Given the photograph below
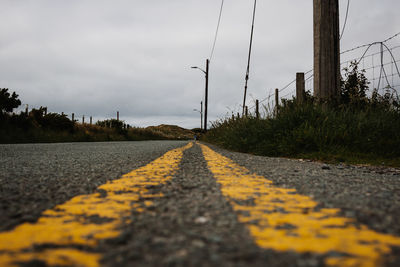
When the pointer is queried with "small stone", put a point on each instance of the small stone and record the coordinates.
(326, 167)
(198, 243)
(201, 220)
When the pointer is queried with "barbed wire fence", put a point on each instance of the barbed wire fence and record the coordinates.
(378, 60)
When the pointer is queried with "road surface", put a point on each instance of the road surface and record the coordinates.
(171, 203)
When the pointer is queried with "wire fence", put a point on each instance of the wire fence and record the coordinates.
(379, 62)
(25, 108)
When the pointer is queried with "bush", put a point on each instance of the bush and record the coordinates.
(355, 125)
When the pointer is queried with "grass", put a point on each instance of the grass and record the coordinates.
(354, 134)
(79, 133)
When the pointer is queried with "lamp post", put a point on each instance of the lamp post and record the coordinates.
(206, 100)
(201, 115)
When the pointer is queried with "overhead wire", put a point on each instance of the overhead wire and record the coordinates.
(217, 30)
(345, 21)
(249, 56)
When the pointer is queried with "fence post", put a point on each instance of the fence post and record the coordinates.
(257, 109)
(300, 87)
(326, 50)
(276, 100)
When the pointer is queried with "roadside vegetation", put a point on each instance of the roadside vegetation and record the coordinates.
(358, 128)
(38, 126)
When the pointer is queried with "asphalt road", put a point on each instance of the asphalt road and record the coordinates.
(191, 205)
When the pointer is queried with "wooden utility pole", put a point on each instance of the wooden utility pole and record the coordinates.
(201, 115)
(117, 115)
(206, 100)
(300, 87)
(276, 100)
(326, 50)
(90, 120)
(257, 110)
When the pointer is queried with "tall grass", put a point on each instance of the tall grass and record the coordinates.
(308, 130)
(22, 129)
(355, 127)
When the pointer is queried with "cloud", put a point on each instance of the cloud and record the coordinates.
(97, 57)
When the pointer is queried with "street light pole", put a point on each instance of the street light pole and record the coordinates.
(201, 115)
(206, 93)
(206, 100)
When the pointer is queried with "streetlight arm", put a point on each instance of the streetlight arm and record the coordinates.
(200, 69)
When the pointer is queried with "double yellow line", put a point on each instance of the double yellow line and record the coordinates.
(283, 220)
(85, 220)
(277, 218)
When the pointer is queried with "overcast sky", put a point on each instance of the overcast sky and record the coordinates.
(96, 57)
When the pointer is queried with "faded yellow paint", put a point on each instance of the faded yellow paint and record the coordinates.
(283, 220)
(86, 219)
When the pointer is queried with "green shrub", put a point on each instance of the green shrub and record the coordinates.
(355, 125)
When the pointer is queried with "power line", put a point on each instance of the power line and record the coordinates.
(216, 32)
(345, 21)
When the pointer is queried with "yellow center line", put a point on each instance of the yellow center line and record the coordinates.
(283, 220)
(86, 219)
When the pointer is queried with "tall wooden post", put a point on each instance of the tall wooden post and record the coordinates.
(83, 119)
(300, 87)
(117, 115)
(73, 117)
(326, 50)
(90, 120)
(276, 100)
(246, 108)
(257, 110)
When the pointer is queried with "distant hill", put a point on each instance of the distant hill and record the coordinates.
(171, 131)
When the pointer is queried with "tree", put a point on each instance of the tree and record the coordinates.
(8, 102)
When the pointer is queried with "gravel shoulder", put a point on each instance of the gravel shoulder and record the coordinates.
(36, 177)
